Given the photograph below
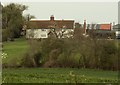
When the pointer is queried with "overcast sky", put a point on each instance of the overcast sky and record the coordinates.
(93, 12)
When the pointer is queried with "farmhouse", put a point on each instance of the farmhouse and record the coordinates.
(43, 28)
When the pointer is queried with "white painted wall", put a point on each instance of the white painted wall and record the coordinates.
(37, 33)
(43, 33)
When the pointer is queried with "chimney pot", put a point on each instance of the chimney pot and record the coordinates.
(52, 18)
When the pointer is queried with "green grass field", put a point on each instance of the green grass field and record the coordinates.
(15, 51)
(58, 75)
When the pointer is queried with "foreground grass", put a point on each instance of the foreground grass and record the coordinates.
(14, 50)
(58, 75)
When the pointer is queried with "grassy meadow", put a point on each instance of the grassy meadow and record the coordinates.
(14, 51)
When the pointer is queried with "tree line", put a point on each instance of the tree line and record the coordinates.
(13, 20)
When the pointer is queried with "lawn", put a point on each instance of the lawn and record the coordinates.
(14, 50)
(58, 75)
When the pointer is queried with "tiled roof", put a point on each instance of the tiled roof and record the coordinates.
(48, 23)
(105, 26)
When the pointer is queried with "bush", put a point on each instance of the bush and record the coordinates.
(5, 34)
(32, 57)
(73, 52)
(109, 55)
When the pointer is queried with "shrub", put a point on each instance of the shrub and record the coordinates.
(32, 57)
(79, 51)
(5, 34)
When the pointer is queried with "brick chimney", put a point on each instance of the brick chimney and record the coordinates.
(52, 18)
(110, 26)
(84, 26)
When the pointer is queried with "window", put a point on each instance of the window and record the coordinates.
(43, 29)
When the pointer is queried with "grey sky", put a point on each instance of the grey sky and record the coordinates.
(93, 12)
